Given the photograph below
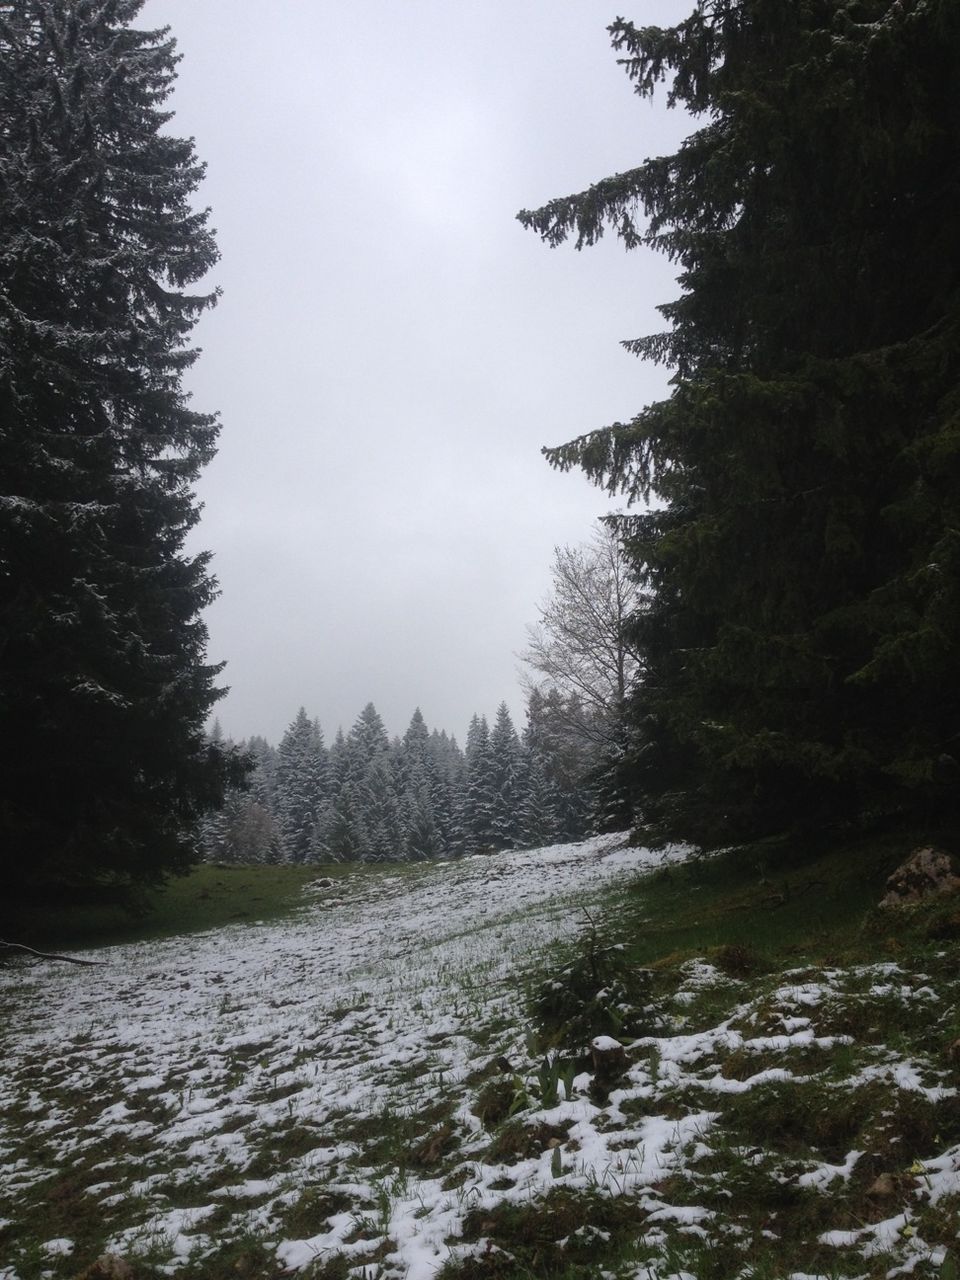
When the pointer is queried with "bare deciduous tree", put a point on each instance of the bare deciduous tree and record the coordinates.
(581, 645)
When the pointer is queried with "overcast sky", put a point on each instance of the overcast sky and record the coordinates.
(392, 349)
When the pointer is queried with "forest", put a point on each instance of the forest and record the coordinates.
(372, 799)
(790, 529)
(660, 985)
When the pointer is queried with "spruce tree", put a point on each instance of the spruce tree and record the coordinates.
(801, 654)
(301, 786)
(558, 736)
(423, 836)
(479, 830)
(507, 779)
(382, 816)
(538, 810)
(446, 786)
(366, 742)
(104, 684)
(344, 836)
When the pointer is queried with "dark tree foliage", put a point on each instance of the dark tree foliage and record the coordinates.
(104, 688)
(802, 649)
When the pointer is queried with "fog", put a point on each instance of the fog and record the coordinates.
(392, 350)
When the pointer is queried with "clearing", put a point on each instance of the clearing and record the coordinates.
(396, 1083)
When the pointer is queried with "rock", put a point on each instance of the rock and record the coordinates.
(883, 1187)
(109, 1266)
(609, 1058)
(926, 873)
(323, 882)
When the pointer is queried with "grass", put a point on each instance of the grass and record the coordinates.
(208, 897)
(750, 914)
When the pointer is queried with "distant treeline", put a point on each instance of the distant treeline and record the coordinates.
(366, 798)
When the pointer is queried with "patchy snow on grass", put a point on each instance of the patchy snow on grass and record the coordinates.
(359, 1083)
(222, 1075)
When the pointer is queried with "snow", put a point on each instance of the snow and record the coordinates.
(60, 1247)
(195, 1047)
(824, 1174)
(189, 1061)
(605, 1044)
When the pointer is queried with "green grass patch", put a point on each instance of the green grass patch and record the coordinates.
(208, 897)
(748, 915)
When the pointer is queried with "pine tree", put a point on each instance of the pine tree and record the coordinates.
(447, 779)
(262, 783)
(560, 740)
(366, 742)
(417, 734)
(104, 685)
(364, 769)
(382, 816)
(508, 780)
(801, 652)
(250, 831)
(301, 786)
(538, 810)
(423, 837)
(339, 761)
(344, 836)
(479, 834)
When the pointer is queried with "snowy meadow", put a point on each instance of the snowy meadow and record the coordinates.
(365, 1090)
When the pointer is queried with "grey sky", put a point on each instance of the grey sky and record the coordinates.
(392, 348)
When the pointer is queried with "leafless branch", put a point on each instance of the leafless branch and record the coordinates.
(45, 955)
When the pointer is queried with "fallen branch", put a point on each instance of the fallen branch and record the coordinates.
(45, 955)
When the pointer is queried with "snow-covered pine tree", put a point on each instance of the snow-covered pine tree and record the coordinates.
(212, 827)
(508, 779)
(251, 833)
(344, 836)
(479, 835)
(417, 734)
(538, 810)
(556, 734)
(366, 742)
(301, 786)
(446, 783)
(104, 684)
(366, 824)
(423, 837)
(262, 783)
(337, 759)
(383, 820)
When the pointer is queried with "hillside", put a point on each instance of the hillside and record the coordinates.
(393, 1083)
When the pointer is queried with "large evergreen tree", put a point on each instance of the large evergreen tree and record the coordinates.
(478, 811)
(560, 738)
(802, 652)
(508, 778)
(104, 687)
(301, 786)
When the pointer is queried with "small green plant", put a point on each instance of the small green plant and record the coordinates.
(596, 992)
(500, 1099)
(553, 1072)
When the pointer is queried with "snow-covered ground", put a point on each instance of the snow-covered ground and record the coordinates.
(180, 1058)
(315, 1085)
